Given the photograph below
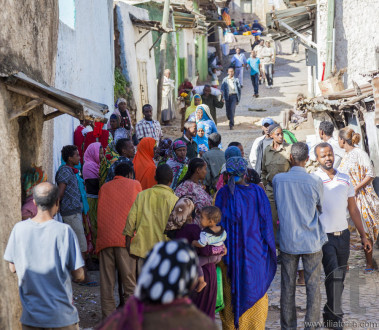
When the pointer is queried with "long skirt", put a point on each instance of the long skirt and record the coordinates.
(253, 319)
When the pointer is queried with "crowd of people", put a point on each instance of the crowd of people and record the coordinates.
(187, 228)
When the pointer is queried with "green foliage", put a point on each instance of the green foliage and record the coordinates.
(121, 86)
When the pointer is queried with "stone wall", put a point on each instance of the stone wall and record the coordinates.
(28, 39)
(356, 36)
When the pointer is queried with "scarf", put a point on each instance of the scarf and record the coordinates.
(91, 165)
(143, 162)
(236, 167)
(202, 142)
(182, 212)
(206, 113)
(178, 165)
(192, 108)
(31, 178)
(164, 151)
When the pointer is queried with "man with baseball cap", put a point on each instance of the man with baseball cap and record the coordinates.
(260, 144)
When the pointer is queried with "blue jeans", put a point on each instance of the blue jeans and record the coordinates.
(255, 81)
(312, 271)
(335, 257)
(268, 71)
(230, 105)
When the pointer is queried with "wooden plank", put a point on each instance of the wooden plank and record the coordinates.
(35, 95)
(25, 108)
(52, 115)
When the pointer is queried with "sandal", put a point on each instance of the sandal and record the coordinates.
(300, 283)
(368, 271)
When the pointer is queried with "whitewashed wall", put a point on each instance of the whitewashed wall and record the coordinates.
(187, 51)
(357, 26)
(85, 60)
(131, 52)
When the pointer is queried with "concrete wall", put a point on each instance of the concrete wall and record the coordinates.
(357, 37)
(244, 9)
(85, 62)
(134, 56)
(28, 39)
(186, 46)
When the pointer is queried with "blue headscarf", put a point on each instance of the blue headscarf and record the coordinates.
(236, 167)
(232, 152)
(82, 188)
(201, 141)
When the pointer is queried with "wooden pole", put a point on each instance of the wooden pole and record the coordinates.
(162, 57)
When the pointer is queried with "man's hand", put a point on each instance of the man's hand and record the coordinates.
(366, 244)
(128, 240)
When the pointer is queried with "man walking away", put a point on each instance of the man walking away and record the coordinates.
(115, 201)
(214, 158)
(325, 130)
(190, 132)
(339, 197)
(168, 106)
(267, 56)
(231, 90)
(148, 216)
(45, 253)
(255, 67)
(239, 62)
(298, 198)
(259, 145)
(126, 150)
(211, 101)
(147, 127)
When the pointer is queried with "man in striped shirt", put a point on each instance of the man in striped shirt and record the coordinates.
(147, 127)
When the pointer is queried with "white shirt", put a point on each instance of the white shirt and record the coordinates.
(253, 152)
(334, 205)
(232, 89)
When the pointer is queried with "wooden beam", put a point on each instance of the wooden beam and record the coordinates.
(35, 95)
(52, 115)
(25, 108)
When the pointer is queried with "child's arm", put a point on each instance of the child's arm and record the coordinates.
(197, 244)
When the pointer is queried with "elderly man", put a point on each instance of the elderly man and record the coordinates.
(339, 197)
(45, 255)
(298, 197)
(168, 107)
(147, 127)
(214, 158)
(211, 101)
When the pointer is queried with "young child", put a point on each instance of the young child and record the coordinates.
(213, 235)
(201, 140)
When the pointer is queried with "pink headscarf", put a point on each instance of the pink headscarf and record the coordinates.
(91, 165)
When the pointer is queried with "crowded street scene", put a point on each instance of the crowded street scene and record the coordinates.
(186, 164)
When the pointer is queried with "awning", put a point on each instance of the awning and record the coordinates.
(148, 25)
(64, 102)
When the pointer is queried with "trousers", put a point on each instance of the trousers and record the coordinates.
(112, 259)
(255, 82)
(230, 106)
(239, 74)
(335, 257)
(312, 271)
(268, 71)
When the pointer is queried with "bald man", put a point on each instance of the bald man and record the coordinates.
(45, 253)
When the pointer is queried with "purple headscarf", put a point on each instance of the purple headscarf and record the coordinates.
(91, 165)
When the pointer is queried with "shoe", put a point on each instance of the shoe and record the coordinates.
(231, 128)
(256, 95)
(241, 86)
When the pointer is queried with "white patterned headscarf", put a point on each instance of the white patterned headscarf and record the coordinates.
(168, 273)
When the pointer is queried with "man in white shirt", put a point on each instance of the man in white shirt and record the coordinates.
(239, 61)
(255, 157)
(339, 199)
(325, 131)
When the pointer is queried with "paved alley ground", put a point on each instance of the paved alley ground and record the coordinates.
(361, 295)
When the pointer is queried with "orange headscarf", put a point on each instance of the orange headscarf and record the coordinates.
(143, 162)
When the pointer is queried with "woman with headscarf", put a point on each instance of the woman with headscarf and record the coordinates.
(201, 139)
(160, 300)
(163, 152)
(196, 100)
(178, 162)
(204, 117)
(143, 162)
(357, 164)
(30, 179)
(91, 175)
(276, 159)
(250, 265)
(180, 225)
(192, 186)
(123, 114)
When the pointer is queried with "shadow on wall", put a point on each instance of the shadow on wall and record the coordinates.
(341, 44)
